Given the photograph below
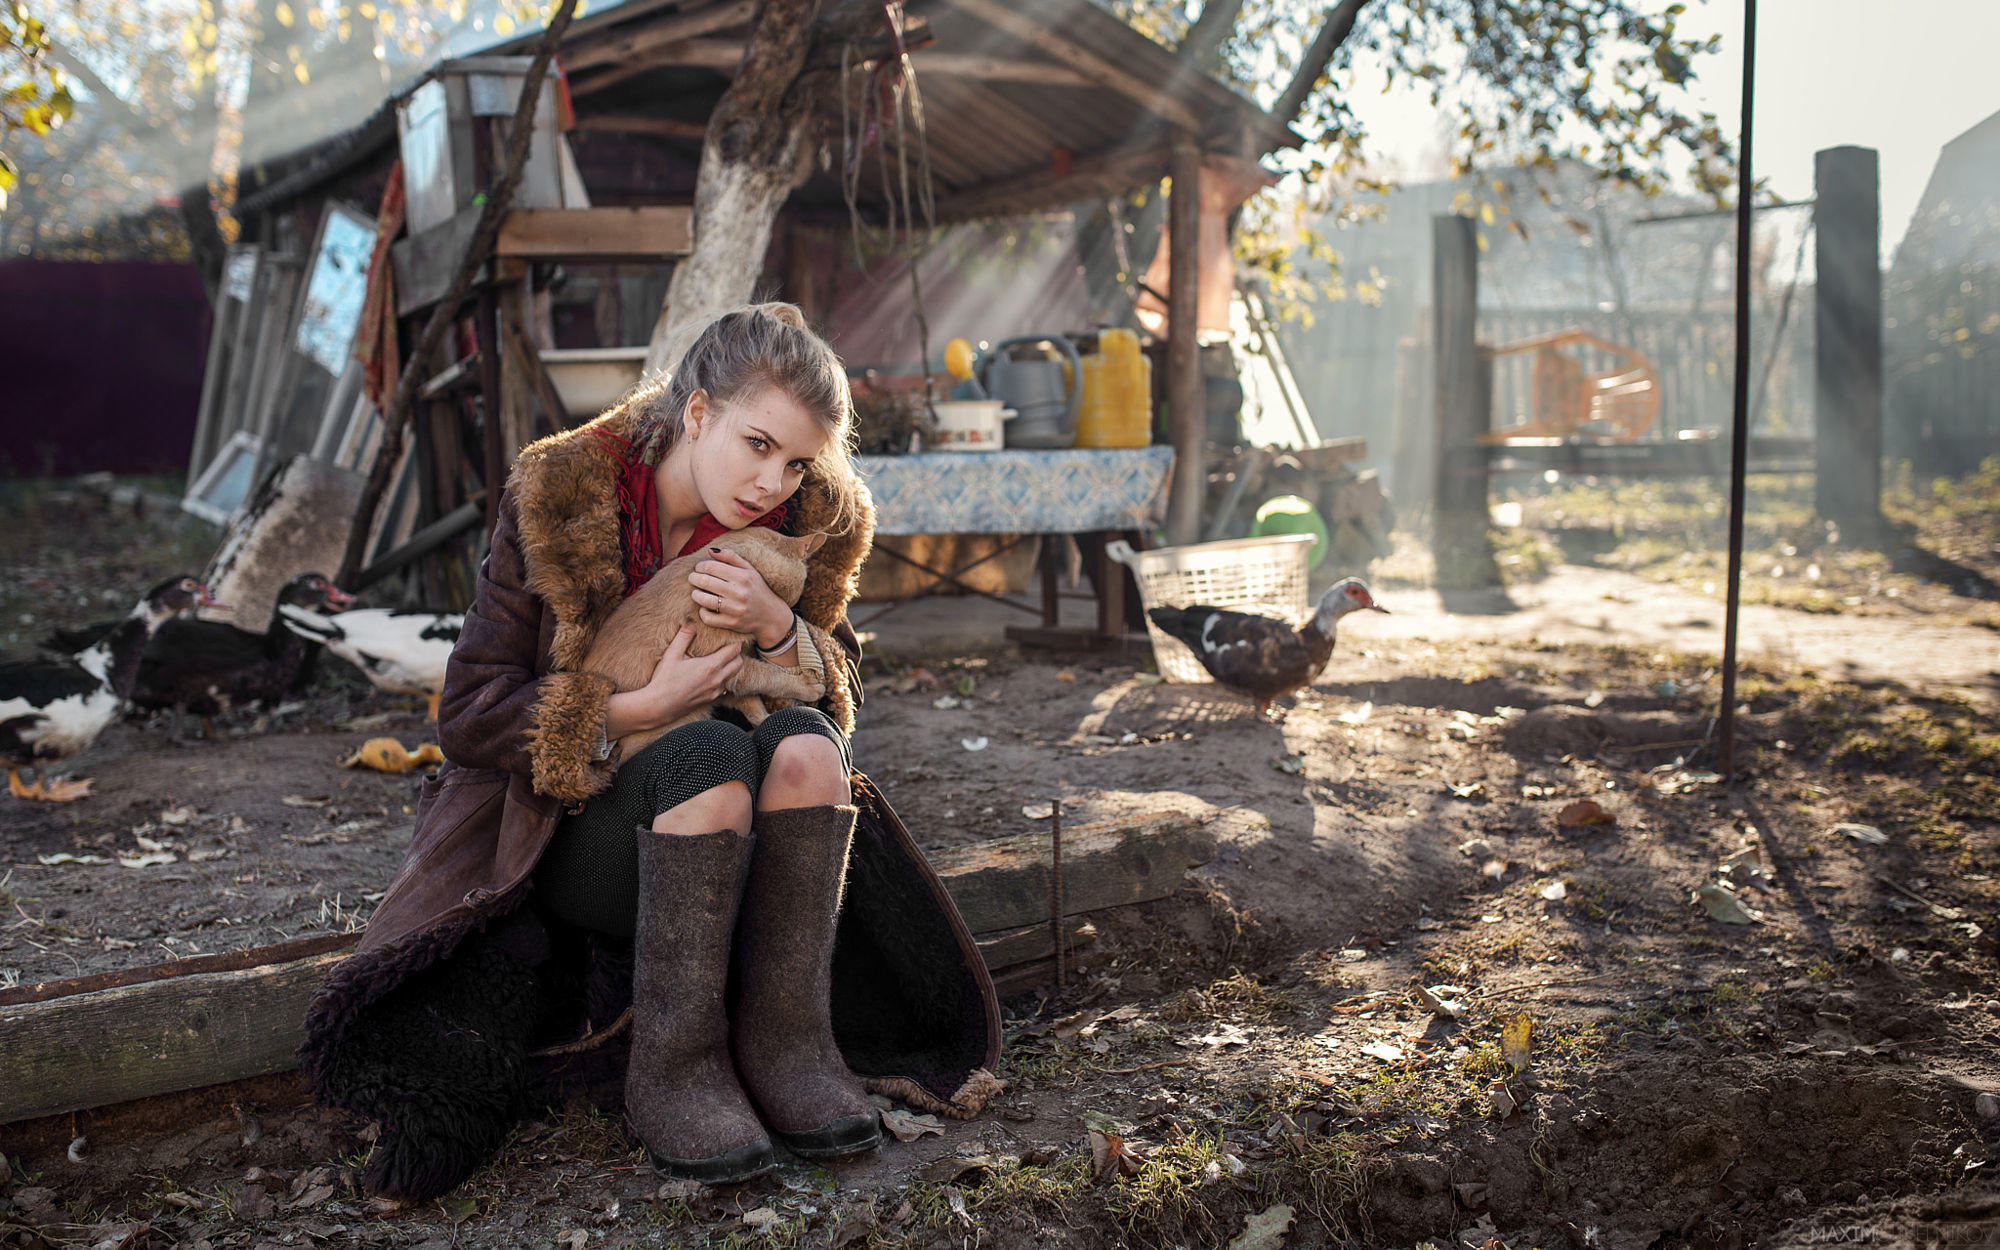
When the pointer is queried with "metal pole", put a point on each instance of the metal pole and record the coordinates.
(1739, 442)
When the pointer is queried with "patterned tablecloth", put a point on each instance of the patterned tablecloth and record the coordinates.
(1018, 492)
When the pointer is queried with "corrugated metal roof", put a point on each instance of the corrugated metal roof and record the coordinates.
(1104, 102)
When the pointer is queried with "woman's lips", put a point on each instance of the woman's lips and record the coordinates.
(747, 510)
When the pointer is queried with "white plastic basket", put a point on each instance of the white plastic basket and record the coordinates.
(1262, 575)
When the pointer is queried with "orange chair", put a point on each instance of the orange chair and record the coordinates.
(1564, 399)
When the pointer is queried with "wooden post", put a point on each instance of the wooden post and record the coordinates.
(1847, 334)
(1184, 385)
(1460, 542)
(486, 330)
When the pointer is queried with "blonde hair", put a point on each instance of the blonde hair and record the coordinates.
(744, 351)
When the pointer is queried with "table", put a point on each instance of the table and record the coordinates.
(1093, 494)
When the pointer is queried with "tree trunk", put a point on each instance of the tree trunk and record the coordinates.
(754, 155)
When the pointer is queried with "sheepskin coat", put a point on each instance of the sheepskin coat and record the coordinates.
(914, 1010)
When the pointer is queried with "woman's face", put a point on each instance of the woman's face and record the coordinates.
(747, 455)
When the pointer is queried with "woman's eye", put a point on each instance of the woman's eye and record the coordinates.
(758, 443)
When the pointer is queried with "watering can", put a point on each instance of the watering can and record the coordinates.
(1048, 403)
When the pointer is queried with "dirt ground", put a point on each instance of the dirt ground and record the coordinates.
(1259, 1051)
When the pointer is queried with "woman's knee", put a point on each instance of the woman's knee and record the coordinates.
(805, 769)
(727, 806)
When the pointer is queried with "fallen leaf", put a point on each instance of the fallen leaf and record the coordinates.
(176, 815)
(1357, 715)
(574, 1239)
(1468, 790)
(1425, 924)
(148, 860)
(1065, 675)
(853, 1227)
(946, 702)
(305, 800)
(1383, 1051)
(908, 1126)
(1293, 764)
(1862, 833)
(387, 755)
(1264, 1230)
(1722, 904)
(1515, 1036)
(1225, 1035)
(973, 744)
(1434, 1001)
(1555, 891)
(1109, 1155)
(64, 857)
(1584, 812)
(762, 1217)
(1038, 811)
(1500, 1100)
(1594, 699)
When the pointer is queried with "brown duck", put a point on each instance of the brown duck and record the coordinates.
(1257, 655)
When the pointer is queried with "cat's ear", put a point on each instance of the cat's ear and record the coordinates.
(814, 541)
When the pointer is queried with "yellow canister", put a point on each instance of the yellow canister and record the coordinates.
(1117, 393)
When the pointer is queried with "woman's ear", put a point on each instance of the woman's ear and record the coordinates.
(696, 415)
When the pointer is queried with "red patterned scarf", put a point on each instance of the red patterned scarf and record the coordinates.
(639, 515)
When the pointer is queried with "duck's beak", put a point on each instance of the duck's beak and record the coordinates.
(1376, 607)
(205, 600)
(337, 598)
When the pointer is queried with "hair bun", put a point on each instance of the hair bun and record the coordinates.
(789, 314)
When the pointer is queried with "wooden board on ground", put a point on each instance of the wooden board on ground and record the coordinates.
(70, 1046)
(1004, 883)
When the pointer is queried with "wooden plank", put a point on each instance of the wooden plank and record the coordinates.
(622, 46)
(647, 232)
(112, 1038)
(1462, 405)
(1029, 942)
(1085, 61)
(425, 263)
(1004, 883)
(136, 1041)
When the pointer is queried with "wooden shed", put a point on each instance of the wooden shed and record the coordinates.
(1029, 106)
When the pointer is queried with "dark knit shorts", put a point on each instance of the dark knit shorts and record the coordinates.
(589, 875)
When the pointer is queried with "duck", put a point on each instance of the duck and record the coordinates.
(1260, 656)
(156, 609)
(54, 707)
(207, 667)
(401, 651)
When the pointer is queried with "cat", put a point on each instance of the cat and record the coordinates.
(628, 648)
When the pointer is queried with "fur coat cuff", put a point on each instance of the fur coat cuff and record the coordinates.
(568, 725)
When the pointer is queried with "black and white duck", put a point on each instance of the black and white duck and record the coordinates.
(1257, 655)
(400, 651)
(207, 667)
(53, 707)
(83, 637)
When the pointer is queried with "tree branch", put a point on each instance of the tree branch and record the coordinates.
(1339, 25)
(477, 250)
(1204, 40)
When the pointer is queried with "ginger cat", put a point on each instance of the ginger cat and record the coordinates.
(628, 648)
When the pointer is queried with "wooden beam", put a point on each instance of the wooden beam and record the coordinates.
(998, 69)
(721, 55)
(622, 46)
(1085, 61)
(1030, 942)
(1121, 165)
(646, 233)
(70, 1046)
(1847, 338)
(1186, 393)
(667, 127)
(138, 1040)
(1004, 883)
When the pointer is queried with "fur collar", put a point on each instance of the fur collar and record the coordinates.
(565, 497)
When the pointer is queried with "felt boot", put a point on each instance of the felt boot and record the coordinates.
(681, 1091)
(781, 1029)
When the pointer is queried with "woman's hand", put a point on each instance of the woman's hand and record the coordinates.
(680, 684)
(732, 594)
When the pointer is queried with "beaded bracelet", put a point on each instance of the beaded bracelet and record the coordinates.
(785, 643)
